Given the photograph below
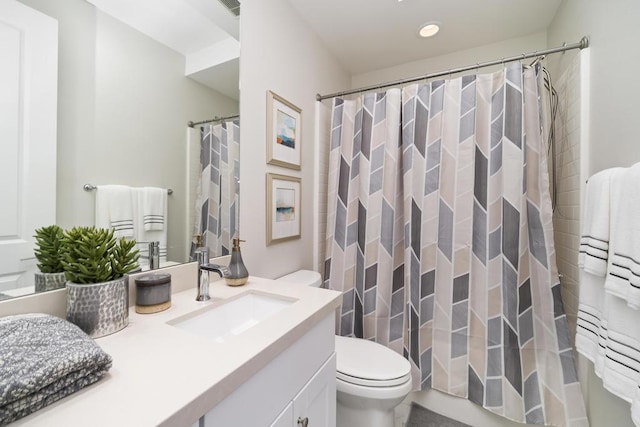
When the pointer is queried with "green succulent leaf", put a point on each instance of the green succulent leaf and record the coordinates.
(48, 249)
(93, 255)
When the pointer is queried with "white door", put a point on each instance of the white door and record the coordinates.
(28, 115)
(315, 405)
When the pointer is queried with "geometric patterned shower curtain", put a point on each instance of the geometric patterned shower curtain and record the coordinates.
(460, 275)
(217, 194)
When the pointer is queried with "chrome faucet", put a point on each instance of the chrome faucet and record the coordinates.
(204, 267)
(154, 255)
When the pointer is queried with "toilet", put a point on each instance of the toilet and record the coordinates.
(371, 379)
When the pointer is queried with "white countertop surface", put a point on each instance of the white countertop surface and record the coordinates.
(164, 376)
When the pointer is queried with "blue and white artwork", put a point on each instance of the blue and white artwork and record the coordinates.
(285, 129)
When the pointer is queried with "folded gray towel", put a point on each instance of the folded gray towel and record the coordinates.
(43, 359)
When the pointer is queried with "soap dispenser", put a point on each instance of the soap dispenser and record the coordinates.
(238, 274)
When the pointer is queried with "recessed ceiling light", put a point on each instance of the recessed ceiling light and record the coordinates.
(429, 29)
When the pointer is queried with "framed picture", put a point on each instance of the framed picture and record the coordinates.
(283, 208)
(284, 132)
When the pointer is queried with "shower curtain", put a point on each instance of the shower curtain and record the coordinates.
(217, 192)
(439, 236)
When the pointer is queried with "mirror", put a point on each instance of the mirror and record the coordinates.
(124, 101)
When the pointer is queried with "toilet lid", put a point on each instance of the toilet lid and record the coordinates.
(367, 363)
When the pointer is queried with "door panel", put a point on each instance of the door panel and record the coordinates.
(316, 402)
(28, 115)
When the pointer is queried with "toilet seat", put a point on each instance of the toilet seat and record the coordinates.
(369, 364)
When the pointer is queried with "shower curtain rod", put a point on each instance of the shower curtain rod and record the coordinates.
(583, 43)
(215, 119)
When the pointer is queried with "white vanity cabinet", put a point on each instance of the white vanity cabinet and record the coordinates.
(316, 402)
(315, 405)
(298, 383)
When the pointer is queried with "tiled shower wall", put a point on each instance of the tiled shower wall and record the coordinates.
(566, 218)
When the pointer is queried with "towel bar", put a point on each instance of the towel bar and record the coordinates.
(91, 187)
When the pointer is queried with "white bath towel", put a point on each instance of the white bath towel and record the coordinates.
(114, 209)
(591, 326)
(608, 336)
(594, 241)
(154, 203)
(620, 374)
(142, 236)
(635, 408)
(623, 277)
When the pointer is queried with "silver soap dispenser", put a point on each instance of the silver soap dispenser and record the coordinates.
(238, 274)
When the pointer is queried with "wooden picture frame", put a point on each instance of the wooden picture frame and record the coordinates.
(284, 199)
(284, 132)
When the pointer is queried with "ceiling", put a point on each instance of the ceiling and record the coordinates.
(366, 35)
(205, 32)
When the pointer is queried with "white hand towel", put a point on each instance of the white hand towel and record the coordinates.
(142, 236)
(623, 278)
(154, 201)
(594, 242)
(114, 209)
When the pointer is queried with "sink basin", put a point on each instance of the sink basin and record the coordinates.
(233, 317)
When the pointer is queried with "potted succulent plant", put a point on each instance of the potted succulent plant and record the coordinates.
(48, 253)
(96, 266)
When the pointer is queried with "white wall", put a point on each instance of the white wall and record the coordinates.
(612, 27)
(279, 53)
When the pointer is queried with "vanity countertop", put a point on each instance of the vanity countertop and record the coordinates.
(164, 376)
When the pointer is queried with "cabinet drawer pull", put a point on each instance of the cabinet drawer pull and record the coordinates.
(304, 422)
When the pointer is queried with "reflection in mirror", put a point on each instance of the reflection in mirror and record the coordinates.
(127, 87)
(217, 191)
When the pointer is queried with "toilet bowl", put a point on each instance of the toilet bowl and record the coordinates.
(371, 379)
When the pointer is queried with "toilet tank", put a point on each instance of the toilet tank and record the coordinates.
(303, 277)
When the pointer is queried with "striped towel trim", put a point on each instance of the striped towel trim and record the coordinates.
(123, 228)
(153, 222)
(593, 255)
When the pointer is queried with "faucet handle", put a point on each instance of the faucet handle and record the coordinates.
(154, 255)
(202, 255)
